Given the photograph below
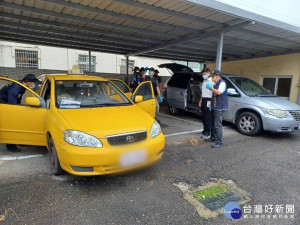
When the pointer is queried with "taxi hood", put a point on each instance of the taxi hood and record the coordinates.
(103, 121)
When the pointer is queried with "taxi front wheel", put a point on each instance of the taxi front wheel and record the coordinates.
(54, 161)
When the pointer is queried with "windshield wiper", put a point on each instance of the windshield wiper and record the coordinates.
(263, 93)
(105, 104)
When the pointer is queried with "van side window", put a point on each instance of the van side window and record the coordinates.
(180, 80)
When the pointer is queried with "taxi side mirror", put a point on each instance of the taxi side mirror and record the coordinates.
(138, 98)
(32, 101)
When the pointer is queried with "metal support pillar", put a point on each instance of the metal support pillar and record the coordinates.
(127, 67)
(219, 52)
(90, 62)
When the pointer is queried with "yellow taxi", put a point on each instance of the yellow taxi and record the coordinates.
(87, 123)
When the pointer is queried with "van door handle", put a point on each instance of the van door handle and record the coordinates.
(182, 93)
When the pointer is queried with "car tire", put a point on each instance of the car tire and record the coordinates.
(249, 123)
(174, 110)
(53, 158)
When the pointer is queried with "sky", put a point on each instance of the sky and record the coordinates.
(287, 11)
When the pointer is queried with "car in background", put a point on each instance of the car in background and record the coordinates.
(88, 125)
(251, 107)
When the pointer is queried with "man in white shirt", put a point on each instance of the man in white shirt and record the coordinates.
(205, 103)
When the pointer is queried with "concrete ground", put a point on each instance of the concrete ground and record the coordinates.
(265, 166)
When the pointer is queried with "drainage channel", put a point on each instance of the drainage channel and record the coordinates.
(210, 199)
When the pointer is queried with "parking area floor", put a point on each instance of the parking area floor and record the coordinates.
(265, 166)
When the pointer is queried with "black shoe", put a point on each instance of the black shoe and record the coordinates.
(210, 140)
(13, 149)
(216, 146)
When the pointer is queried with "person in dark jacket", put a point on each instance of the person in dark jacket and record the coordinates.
(219, 103)
(156, 91)
(135, 79)
(156, 72)
(142, 77)
(12, 94)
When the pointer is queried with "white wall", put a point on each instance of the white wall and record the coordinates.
(63, 59)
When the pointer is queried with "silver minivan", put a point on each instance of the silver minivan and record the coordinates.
(250, 106)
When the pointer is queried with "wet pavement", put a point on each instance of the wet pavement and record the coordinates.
(266, 166)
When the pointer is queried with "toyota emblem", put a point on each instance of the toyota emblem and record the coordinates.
(129, 139)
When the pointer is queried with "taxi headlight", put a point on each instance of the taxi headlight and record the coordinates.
(78, 138)
(155, 129)
(277, 113)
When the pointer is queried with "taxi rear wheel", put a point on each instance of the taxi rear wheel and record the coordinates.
(54, 161)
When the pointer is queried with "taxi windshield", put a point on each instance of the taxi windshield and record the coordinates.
(86, 93)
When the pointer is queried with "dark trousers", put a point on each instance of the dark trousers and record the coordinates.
(157, 109)
(206, 117)
(217, 128)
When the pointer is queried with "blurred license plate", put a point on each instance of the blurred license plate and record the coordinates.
(133, 158)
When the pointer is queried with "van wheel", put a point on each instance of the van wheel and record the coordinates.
(249, 123)
(54, 161)
(174, 110)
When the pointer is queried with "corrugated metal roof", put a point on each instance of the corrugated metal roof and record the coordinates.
(177, 29)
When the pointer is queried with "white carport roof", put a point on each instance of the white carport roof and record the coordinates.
(171, 29)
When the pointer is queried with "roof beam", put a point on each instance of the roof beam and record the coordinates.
(237, 12)
(86, 20)
(99, 39)
(190, 50)
(118, 15)
(218, 6)
(54, 43)
(183, 53)
(79, 28)
(208, 49)
(230, 49)
(271, 37)
(265, 54)
(251, 44)
(59, 39)
(170, 12)
(200, 35)
(173, 57)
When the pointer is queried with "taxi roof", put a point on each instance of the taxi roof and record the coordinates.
(74, 77)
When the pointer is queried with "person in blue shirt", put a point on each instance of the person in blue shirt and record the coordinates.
(12, 94)
(135, 79)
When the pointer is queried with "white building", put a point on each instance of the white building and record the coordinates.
(19, 55)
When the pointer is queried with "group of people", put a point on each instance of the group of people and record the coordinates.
(140, 75)
(213, 103)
